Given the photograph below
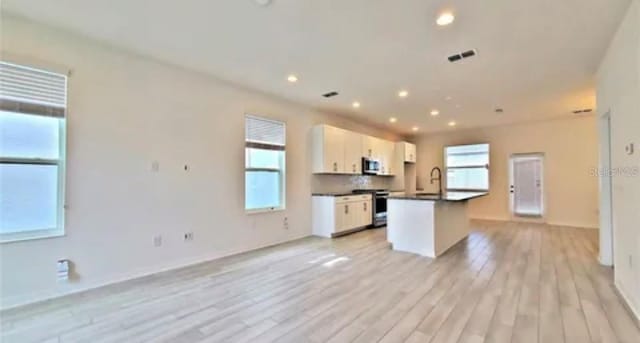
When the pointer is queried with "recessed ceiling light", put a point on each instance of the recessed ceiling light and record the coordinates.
(403, 94)
(292, 78)
(448, 98)
(445, 19)
(452, 123)
(415, 128)
(393, 119)
(435, 112)
(355, 104)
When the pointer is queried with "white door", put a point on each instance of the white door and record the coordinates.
(526, 188)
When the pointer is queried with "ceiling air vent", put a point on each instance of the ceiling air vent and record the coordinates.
(466, 54)
(330, 94)
(455, 58)
(586, 110)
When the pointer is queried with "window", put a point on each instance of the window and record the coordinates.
(264, 164)
(467, 167)
(32, 141)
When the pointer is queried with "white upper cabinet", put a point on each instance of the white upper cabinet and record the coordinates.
(370, 146)
(328, 149)
(409, 151)
(385, 156)
(380, 150)
(338, 151)
(353, 152)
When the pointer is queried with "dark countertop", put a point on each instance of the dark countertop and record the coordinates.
(345, 193)
(332, 194)
(446, 196)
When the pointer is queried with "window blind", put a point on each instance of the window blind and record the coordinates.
(264, 133)
(32, 91)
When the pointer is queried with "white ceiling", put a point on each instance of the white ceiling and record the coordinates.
(536, 58)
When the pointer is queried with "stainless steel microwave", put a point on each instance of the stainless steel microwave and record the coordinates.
(370, 166)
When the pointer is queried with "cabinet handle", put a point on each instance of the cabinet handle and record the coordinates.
(365, 206)
(410, 157)
(335, 166)
(369, 152)
(354, 167)
(346, 209)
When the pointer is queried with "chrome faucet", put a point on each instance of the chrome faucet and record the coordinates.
(437, 178)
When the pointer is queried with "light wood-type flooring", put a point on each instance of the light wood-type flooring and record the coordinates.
(506, 282)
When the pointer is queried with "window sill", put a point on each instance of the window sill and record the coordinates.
(265, 210)
(30, 235)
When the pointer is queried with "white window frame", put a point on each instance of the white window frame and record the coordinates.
(60, 162)
(281, 171)
(487, 166)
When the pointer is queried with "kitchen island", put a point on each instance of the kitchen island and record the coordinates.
(428, 224)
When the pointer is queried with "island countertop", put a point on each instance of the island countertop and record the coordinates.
(446, 196)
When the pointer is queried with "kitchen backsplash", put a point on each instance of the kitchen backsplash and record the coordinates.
(341, 183)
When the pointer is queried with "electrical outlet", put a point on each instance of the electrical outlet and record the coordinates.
(155, 166)
(631, 261)
(157, 241)
(63, 270)
(285, 223)
(629, 149)
(188, 236)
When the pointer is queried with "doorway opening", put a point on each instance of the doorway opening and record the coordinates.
(526, 175)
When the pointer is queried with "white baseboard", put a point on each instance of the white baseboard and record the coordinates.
(51, 295)
(607, 264)
(525, 220)
(495, 219)
(629, 305)
(576, 225)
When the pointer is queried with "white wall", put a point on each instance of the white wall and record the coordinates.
(619, 92)
(570, 148)
(125, 112)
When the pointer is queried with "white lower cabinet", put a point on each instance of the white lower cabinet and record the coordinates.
(334, 215)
